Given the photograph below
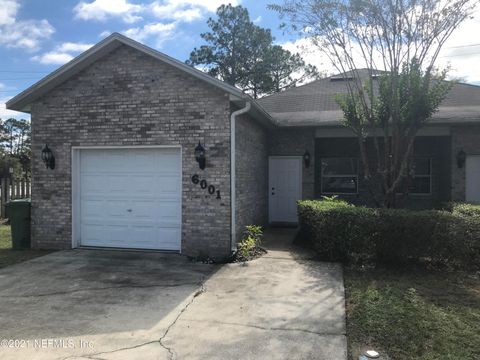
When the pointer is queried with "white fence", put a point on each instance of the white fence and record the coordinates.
(13, 189)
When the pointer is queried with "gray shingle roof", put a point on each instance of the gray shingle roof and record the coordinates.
(314, 104)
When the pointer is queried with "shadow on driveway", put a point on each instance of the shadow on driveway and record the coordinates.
(283, 305)
(109, 299)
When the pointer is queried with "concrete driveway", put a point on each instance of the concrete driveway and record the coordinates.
(87, 304)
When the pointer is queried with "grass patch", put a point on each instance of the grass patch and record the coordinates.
(413, 315)
(9, 256)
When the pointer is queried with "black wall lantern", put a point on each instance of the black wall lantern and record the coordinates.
(306, 158)
(461, 157)
(200, 155)
(48, 158)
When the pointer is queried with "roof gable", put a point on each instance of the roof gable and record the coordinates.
(22, 101)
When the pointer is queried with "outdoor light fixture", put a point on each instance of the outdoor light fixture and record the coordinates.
(48, 158)
(306, 158)
(200, 155)
(461, 157)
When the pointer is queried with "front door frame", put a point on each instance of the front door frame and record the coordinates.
(300, 179)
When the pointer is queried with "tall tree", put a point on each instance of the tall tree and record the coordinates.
(16, 136)
(15, 140)
(254, 76)
(286, 70)
(233, 39)
(242, 54)
(401, 37)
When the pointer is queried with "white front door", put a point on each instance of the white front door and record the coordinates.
(130, 198)
(285, 188)
(472, 179)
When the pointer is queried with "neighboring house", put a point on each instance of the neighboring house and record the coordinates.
(123, 122)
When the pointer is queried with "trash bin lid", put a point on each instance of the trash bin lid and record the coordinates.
(18, 201)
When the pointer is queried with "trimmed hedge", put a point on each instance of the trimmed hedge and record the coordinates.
(339, 231)
(464, 209)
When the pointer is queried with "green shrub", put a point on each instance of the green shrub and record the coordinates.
(252, 238)
(464, 209)
(246, 246)
(255, 232)
(342, 232)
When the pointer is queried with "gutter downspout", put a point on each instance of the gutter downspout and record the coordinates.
(233, 197)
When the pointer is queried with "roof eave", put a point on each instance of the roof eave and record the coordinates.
(22, 101)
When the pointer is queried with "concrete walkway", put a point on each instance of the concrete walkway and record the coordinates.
(280, 306)
(154, 306)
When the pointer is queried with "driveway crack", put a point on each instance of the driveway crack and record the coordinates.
(266, 328)
(171, 352)
(96, 356)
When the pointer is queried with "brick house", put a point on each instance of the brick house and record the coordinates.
(124, 123)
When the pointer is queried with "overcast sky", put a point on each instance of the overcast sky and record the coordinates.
(38, 36)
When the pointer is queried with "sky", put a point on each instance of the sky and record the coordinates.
(38, 36)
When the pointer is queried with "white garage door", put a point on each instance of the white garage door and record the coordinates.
(130, 198)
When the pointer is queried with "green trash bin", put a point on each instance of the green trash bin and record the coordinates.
(18, 212)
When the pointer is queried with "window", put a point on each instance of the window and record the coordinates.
(339, 175)
(420, 180)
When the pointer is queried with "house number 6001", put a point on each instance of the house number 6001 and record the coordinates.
(204, 185)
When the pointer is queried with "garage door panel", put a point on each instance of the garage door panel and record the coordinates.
(144, 209)
(93, 184)
(92, 208)
(91, 160)
(117, 234)
(169, 162)
(93, 234)
(162, 210)
(144, 234)
(168, 236)
(144, 184)
(113, 162)
(142, 164)
(104, 209)
(116, 209)
(168, 210)
(131, 198)
(170, 184)
(117, 183)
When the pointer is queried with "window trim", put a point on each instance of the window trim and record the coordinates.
(338, 176)
(409, 193)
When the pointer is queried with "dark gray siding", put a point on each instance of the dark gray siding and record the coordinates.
(435, 148)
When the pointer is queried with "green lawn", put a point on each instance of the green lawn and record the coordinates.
(413, 315)
(9, 256)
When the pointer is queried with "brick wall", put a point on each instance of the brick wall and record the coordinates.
(466, 138)
(251, 174)
(129, 98)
